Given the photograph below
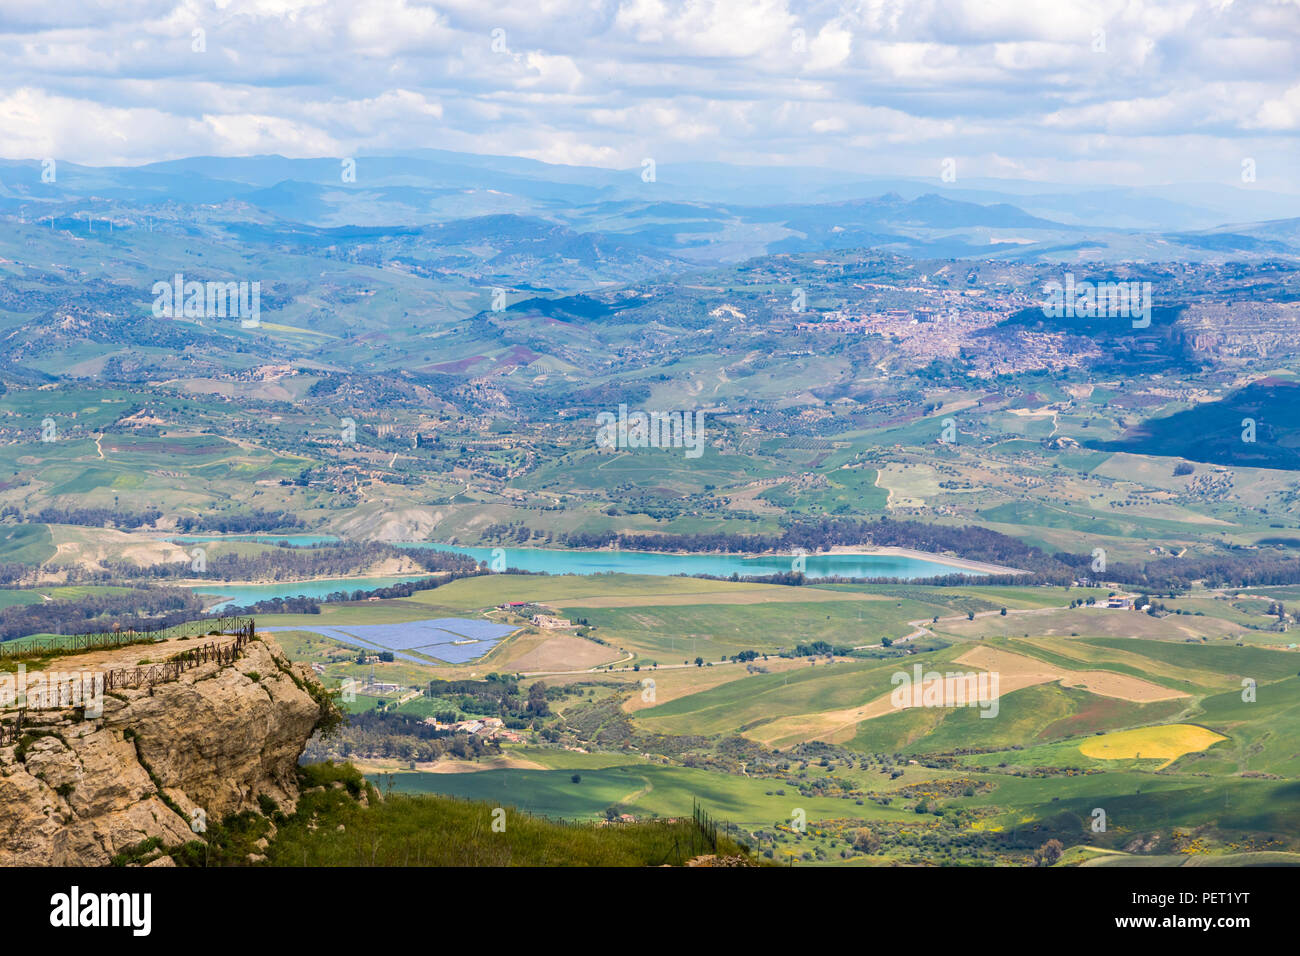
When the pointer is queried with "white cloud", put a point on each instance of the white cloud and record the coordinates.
(1012, 87)
(829, 48)
(1279, 113)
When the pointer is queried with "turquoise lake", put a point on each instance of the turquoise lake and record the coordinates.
(243, 594)
(721, 565)
(551, 561)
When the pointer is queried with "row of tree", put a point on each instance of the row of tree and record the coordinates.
(336, 559)
(392, 734)
(86, 517)
(1235, 568)
(968, 541)
(138, 607)
(249, 522)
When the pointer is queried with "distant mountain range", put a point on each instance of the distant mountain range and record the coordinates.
(693, 212)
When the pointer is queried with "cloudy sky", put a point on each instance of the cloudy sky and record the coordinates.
(1118, 91)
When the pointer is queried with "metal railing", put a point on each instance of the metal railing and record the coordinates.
(149, 674)
(98, 640)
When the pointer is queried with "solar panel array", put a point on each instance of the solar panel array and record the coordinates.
(455, 640)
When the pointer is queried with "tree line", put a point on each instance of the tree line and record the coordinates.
(249, 522)
(311, 605)
(336, 559)
(140, 607)
(971, 542)
(86, 517)
(1234, 569)
(393, 734)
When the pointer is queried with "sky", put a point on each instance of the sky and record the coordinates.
(1106, 91)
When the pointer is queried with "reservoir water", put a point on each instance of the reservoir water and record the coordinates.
(556, 561)
(552, 561)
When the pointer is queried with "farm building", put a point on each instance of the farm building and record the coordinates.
(546, 620)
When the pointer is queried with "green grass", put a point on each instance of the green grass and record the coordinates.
(1045, 516)
(1065, 660)
(25, 544)
(1043, 712)
(14, 598)
(1136, 801)
(565, 590)
(409, 829)
(1262, 858)
(946, 600)
(673, 633)
(1262, 733)
(361, 704)
(752, 701)
(1259, 663)
(642, 789)
(850, 491)
(646, 468)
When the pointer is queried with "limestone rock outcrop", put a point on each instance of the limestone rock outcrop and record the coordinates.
(161, 759)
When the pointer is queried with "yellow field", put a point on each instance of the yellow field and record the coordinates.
(1166, 743)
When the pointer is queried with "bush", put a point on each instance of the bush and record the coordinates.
(327, 773)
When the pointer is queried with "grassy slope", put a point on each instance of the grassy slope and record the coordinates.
(426, 830)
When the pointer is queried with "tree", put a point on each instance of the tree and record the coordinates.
(864, 841)
(537, 700)
(1048, 853)
(576, 778)
(699, 662)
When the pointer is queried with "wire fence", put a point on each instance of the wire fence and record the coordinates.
(706, 826)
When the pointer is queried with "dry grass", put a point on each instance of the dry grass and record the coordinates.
(1017, 670)
(540, 653)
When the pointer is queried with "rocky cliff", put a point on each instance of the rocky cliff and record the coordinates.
(159, 760)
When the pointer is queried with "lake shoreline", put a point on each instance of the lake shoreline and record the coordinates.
(848, 562)
(964, 563)
(849, 550)
(859, 550)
